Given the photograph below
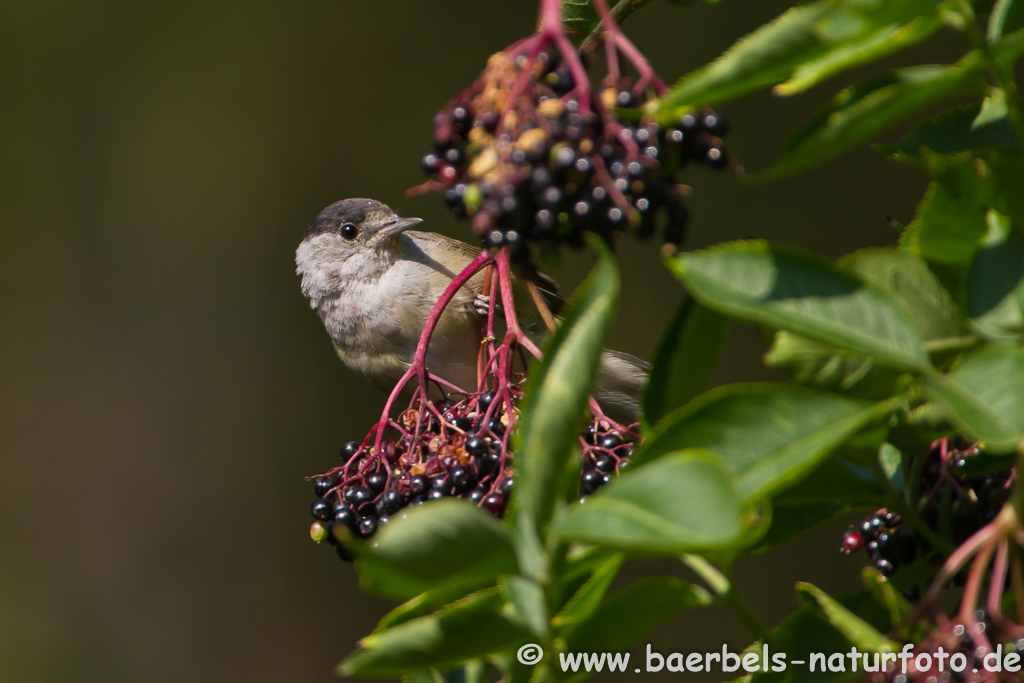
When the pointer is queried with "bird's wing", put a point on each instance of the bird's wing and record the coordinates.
(442, 250)
(620, 379)
(448, 250)
(619, 385)
(548, 289)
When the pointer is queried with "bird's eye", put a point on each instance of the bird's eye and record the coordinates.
(349, 231)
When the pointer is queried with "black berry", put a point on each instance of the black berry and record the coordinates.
(494, 503)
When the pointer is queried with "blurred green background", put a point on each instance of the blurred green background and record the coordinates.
(164, 388)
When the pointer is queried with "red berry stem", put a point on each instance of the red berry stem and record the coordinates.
(486, 356)
(615, 37)
(601, 173)
(533, 46)
(969, 602)
(612, 57)
(1017, 583)
(1000, 571)
(991, 539)
(958, 559)
(509, 304)
(418, 367)
(551, 29)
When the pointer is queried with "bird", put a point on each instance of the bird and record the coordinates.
(373, 282)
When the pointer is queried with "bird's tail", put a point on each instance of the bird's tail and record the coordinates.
(619, 386)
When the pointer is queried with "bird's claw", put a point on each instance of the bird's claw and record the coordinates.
(482, 305)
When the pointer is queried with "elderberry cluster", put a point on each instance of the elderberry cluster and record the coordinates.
(606, 453)
(959, 490)
(445, 449)
(959, 650)
(548, 167)
(888, 542)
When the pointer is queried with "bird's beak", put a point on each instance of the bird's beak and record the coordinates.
(397, 225)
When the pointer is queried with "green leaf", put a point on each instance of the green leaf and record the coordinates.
(1008, 48)
(808, 631)
(633, 612)
(824, 367)
(685, 502)
(588, 597)
(856, 630)
(771, 435)
(425, 603)
(861, 112)
(1007, 177)
(470, 628)
(685, 360)
(890, 459)
(790, 290)
(910, 282)
(445, 544)
(1006, 17)
(972, 127)
(473, 671)
(528, 602)
(995, 282)
(555, 406)
(952, 218)
(866, 48)
(792, 519)
(804, 35)
(433, 676)
(886, 595)
(579, 16)
(582, 561)
(984, 395)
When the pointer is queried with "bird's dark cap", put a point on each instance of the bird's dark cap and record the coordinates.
(346, 211)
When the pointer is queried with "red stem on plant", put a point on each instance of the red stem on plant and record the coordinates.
(595, 409)
(509, 304)
(418, 367)
(486, 341)
(972, 589)
(536, 44)
(606, 180)
(613, 59)
(969, 602)
(643, 67)
(957, 560)
(1000, 568)
(492, 310)
(551, 30)
(1017, 582)
(431, 377)
(424, 187)
(614, 128)
(983, 543)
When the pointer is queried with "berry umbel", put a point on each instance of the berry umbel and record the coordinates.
(535, 152)
(449, 449)
(955, 514)
(957, 492)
